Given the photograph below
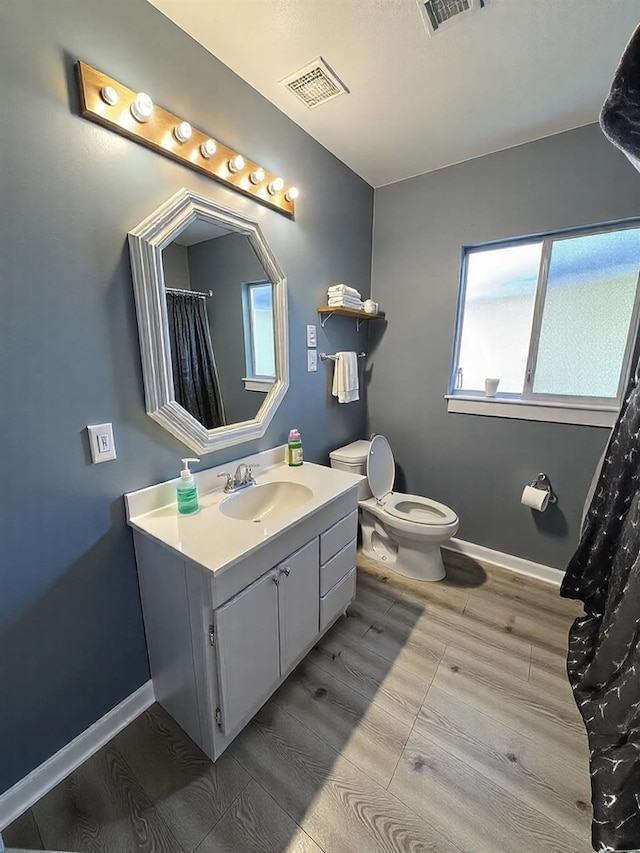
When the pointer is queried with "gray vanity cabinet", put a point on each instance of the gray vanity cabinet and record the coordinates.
(248, 649)
(299, 600)
(220, 643)
(261, 632)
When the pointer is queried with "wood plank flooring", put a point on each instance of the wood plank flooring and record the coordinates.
(435, 717)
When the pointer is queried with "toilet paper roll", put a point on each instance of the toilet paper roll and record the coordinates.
(535, 498)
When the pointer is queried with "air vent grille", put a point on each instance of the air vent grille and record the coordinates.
(440, 14)
(315, 84)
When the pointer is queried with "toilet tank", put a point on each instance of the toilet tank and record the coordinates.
(353, 458)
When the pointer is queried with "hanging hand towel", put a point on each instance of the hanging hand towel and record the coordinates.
(345, 377)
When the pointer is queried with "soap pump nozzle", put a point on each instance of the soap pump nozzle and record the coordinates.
(186, 473)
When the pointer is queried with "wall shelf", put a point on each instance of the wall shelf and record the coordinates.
(359, 316)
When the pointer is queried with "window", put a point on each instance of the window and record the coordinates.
(257, 305)
(554, 320)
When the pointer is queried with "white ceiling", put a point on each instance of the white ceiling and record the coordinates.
(516, 71)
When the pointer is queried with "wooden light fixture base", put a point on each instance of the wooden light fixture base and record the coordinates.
(158, 134)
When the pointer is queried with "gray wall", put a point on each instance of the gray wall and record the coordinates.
(175, 263)
(222, 265)
(478, 465)
(71, 636)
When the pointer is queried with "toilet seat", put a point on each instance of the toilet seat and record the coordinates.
(410, 509)
(419, 510)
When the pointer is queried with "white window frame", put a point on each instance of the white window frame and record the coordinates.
(555, 408)
(252, 381)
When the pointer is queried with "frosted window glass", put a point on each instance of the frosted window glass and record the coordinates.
(497, 316)
(586, 315)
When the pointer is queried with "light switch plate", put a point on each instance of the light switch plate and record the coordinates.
(312, 336)
(101, 442)
(312, 360)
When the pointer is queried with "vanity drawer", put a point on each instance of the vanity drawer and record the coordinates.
(337, 567)
(335, 601)
(337, 536)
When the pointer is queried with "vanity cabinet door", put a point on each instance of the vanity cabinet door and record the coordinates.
(299, 589)
(246, 636)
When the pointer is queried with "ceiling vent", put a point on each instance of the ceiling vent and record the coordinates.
(440, 15)
(315, 84)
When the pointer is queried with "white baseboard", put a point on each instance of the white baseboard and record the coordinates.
(40, 781)
(506, 561)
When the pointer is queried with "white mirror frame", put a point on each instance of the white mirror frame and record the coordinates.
(146, 243)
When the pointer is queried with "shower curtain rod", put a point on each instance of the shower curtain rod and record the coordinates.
(189, 292)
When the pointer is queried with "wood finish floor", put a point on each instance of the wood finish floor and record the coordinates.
(435, 717)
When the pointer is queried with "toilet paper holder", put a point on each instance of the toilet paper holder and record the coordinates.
(543, 482)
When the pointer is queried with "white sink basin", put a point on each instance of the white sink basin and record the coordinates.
(264, 502)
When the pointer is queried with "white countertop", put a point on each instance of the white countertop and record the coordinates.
(215, 541)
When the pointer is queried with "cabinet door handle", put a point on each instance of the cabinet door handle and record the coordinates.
(286, 570)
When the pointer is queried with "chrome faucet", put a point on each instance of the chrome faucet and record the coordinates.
(241, 479)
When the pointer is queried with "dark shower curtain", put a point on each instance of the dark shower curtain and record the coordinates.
(604, 645)
(195, 377)
(603, 663)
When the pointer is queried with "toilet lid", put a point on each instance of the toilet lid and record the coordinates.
(381, 468)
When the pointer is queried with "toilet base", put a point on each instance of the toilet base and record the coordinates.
(419, 560)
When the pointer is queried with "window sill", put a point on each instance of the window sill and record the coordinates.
(258, 383)
(531, 411)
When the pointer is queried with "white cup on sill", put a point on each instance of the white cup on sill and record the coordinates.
(491, 387)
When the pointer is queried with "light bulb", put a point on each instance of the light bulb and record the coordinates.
(292, 194)
(109, 95)
(208, 148)
(142, 107)
(236, 163)
(257, 177)
(182, 131)
(275, 186)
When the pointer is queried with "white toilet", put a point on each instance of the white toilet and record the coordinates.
(402, 531)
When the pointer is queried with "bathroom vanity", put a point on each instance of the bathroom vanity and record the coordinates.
(237, 594)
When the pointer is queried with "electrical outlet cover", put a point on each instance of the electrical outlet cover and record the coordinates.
(312, 360)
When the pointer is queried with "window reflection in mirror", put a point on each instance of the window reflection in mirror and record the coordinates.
(222, 344)
(258, 331)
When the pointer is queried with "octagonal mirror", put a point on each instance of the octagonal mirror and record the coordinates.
(211, 303)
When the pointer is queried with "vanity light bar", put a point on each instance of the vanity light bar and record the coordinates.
(136, 116)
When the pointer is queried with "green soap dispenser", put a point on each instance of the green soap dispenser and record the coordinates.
(294, 449)
(186, 490)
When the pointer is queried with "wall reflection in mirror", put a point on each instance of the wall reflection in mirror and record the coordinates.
(222, 345)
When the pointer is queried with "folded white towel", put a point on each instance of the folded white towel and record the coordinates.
(343, 296)
(344, 302)
(345, 377)
(339, 289)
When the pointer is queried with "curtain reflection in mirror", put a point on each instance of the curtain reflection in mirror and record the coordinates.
(195, 377)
